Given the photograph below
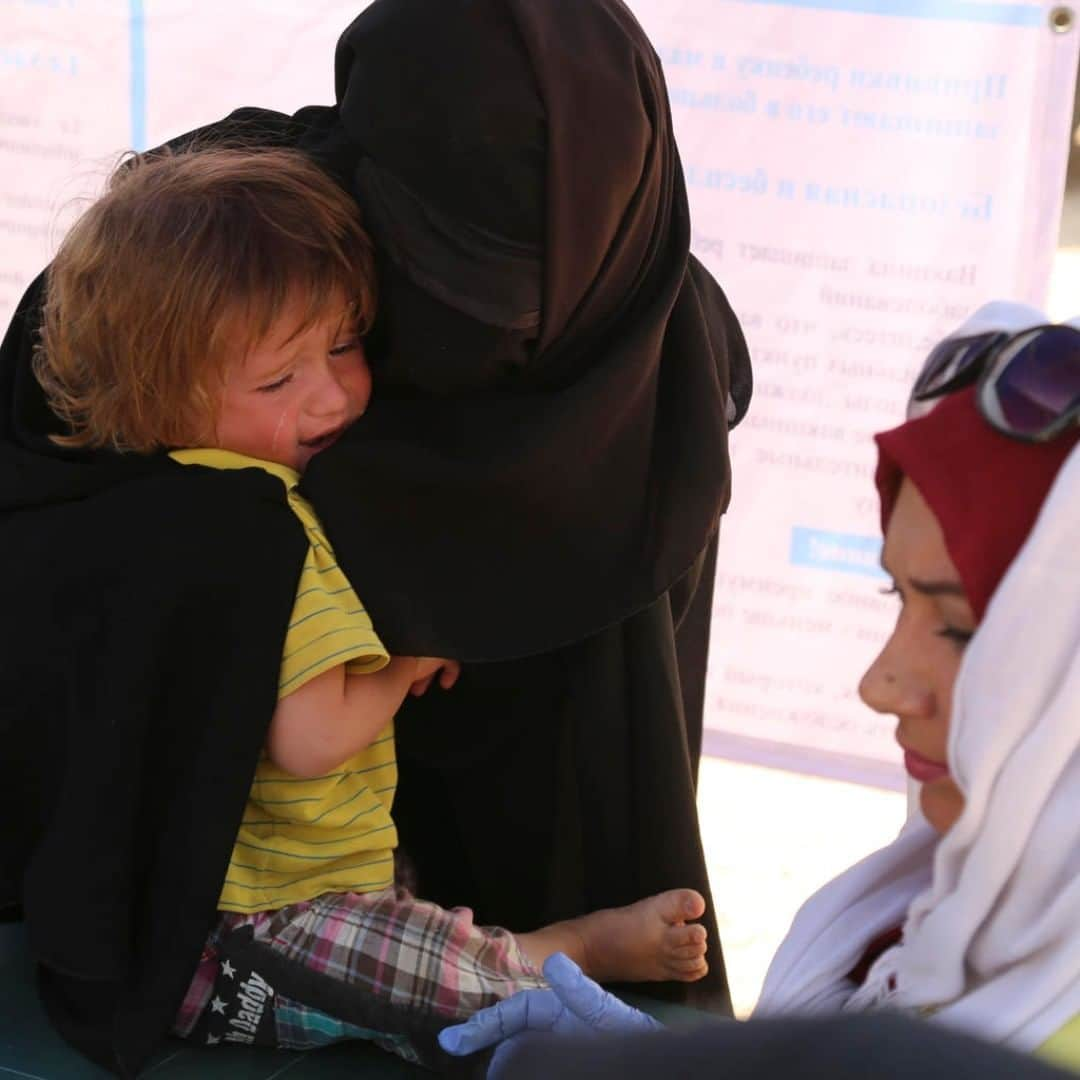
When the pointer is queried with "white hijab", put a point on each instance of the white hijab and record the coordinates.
(990, 911)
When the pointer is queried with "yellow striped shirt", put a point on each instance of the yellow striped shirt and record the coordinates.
(300, 838)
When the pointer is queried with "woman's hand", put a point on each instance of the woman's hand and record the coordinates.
(574, 1005)
(427, 667)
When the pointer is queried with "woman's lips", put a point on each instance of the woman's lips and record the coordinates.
(923, 769)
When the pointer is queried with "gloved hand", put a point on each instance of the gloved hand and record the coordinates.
(574, 1005)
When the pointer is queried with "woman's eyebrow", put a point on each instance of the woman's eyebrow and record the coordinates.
(937, 588)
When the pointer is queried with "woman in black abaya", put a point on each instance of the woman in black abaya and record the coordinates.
(535, 489)
(555, 373)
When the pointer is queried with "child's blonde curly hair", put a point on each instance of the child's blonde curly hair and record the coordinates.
(186, 260)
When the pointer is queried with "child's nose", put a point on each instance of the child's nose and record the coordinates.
(330, 398)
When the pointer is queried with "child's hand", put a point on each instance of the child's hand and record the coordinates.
(427, 667)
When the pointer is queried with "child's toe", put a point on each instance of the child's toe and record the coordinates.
(694, 951)
(680, 905)
(693, 903)
(677, 937)
(689, 970)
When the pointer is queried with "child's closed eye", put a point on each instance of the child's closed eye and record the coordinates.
(277, 384)
(346, 347)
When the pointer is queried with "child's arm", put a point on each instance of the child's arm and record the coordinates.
(335, 715)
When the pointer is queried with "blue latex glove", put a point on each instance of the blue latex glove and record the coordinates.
(574, 1005)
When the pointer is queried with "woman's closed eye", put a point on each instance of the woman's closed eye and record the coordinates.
(956, 635)
(952, 633)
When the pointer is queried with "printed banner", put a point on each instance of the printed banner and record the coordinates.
(863, 174)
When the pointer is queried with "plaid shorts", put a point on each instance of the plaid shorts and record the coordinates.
(379, 949)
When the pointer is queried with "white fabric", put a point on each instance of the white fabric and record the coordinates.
(991, 937)
(998, 315)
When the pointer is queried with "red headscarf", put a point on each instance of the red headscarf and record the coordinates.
(984, 488)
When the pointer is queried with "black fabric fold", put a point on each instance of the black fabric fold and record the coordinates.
(489, 278)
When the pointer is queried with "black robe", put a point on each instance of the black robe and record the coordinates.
(142, 614)
(535, 489)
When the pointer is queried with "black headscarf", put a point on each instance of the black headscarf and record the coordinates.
(546, 452)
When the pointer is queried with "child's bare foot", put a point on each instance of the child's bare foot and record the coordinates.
(650, 941)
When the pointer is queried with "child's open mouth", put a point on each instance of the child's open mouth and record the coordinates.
(321, 442)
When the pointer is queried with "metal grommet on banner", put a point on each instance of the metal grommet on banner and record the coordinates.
(1062, 19)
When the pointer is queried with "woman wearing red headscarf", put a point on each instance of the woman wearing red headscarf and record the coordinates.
(971, 917)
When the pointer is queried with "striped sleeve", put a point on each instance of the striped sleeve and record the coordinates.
(329, 626)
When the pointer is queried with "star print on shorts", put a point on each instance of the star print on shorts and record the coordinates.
(241, 1009)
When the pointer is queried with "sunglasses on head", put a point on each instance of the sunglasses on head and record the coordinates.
(1028, 383)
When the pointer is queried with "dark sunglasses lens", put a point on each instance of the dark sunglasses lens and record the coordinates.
(951, 364)
(1041, 383)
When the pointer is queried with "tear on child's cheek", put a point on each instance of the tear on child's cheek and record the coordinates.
(277, 431)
